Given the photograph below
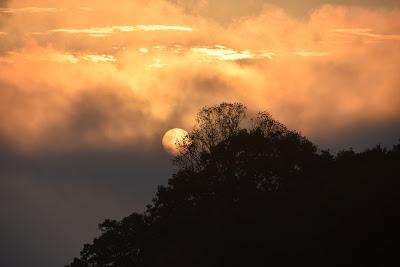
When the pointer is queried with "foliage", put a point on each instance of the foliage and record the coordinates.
(262, 195)
(213, 125)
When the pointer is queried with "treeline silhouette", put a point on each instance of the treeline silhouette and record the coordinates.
(260, 195)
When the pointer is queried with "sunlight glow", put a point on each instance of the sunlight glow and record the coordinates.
(223, 53)
(311, 54)
(108, 31)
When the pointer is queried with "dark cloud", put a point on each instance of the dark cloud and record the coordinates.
(4, 3)
(54, 201)
(96, 111)
(362, 135)
(3, 16)
(228, 10)
(304, 7)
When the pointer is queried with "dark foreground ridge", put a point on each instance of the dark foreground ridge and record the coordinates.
(260, 195)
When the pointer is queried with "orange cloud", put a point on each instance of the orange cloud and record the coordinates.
(66, 88)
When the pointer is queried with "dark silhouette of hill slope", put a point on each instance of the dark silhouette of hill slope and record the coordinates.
(260, 196)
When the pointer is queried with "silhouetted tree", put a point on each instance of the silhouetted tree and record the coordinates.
(261, 195)
(213, 125)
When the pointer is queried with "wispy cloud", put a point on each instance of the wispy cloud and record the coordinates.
(311, 54)
(108, 31)
(30, 10)
(85, 8)
(162, 28)
(220, 52)
(53, 56)
(39, 10)
(97, 58)
(223, 53)
(366, 32)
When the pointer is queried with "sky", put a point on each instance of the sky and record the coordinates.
(89, 87)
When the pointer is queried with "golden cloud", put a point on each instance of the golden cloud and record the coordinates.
(63, 88)
(29, 10)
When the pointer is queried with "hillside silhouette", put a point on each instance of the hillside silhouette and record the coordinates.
(260, 195)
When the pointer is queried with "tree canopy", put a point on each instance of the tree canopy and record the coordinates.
(256, 196)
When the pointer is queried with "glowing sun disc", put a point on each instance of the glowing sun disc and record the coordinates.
(171, 140)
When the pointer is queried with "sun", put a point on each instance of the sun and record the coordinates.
(171, 140)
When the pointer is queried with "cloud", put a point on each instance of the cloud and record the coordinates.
(37, 10)
(368, 33)
(311, 54)
(29, 10)
(108, 31)
(226, 11)
(54, 202)
(55, 57)
(81, 118)
(220, 52)
(300, 70)
(223, 53)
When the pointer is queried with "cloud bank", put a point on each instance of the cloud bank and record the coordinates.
(64, 87)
